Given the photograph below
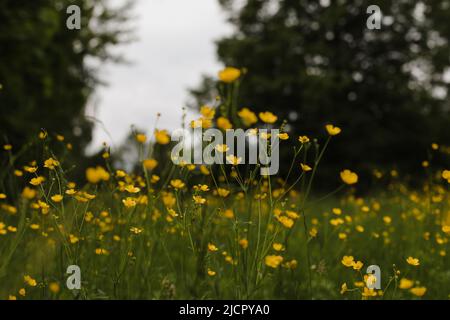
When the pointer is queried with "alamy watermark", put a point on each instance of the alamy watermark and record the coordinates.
(74, 280)
(237, 147)
(73, 22)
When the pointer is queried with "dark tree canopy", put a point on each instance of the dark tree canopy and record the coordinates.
(47, 71)
(314, 62)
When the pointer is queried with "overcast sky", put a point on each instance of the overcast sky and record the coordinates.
(175, 47)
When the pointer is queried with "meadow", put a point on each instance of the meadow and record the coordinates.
(186, 231)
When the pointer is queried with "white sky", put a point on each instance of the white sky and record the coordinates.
(175, 46)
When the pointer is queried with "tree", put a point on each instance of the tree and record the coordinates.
(315, 62)
(48, 72)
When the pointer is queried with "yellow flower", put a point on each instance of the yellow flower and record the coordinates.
(177, 184)
(34, 226)
(70, 192)
(141, 138)
(51, 163)
(154, 178)
(22, 292)
(332, 130)
(212, 247)
(303, 139)
(129, 202)
(243, 243)
(95, 175)
(233, 160)
(223, 192)
(268, 117)
(278, 247)
(121, 173)
(18, 173)
(223, 123)
(305, 167)
(202, 187)
(7, 147)
(413, 261)
(229, 214)
(136, 230)
(273, 261)
(42, 135)
(291, 264)
(229, 74)
(30, 169)
(2, 196)
(162, 137)
(28, 193)
(446, 175)
(344, 288)
(342, 235)
(283, 136)
(132, 189)
(207, 112)
(313, 232)
(101, 251)
(292, 214)
(348, 261)
(150, 164)
(199, 199)
(204, 170)
(60, 138)
(406, 283)
(368, 293)
(57, 198)
(418, 291)
(349, 177)
(11, 297)
(30, 281)
(285, 221)
(248, 117)
(37, 181)
(357, 265)
(211, 273)
(222, 148)
(54, 287)
(73, 239)
(44, 207)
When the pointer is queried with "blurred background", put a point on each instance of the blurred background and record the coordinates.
(310, 62)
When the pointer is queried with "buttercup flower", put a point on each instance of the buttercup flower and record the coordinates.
(406, 283)
(348, 261)
(413, 261)
(229, 74)
(305, 167)
(349, 177)
(57, 198)
(332, 130)
(418, 291)
(247, 116)
(162, 137)
(51, 163)
(223, 123)
(141, 138)
(273, 261)
(303, 139)
(207, 112)
(177, 184)
(268, 117)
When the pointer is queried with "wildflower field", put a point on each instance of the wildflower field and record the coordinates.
(187, 231)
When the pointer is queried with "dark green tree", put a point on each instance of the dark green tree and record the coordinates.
(314, 62)
(48, 72)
